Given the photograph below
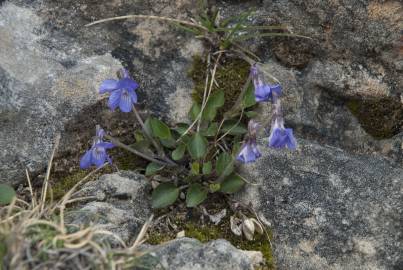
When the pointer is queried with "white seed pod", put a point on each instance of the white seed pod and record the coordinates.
(235, 225)
(258, 226)
(248, 228)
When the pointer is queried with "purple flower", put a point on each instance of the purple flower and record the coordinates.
(249, 151)
(122, 92)
(97, 154)
(281, 137)
(263, 90)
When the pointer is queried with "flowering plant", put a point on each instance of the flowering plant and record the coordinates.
(201, 155)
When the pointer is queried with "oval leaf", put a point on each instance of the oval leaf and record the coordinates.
(152, 168)
(233, 128)
(7, 193)
(217, 99)
(207, 167)
(194, 111)
(211, 131)
(225, 164)
(159, 129)
(249, 98)
(178, 153)
(197, 146)
(164, 195)
(196, 194)
(232, 184)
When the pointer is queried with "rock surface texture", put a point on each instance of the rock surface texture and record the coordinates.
(329, 209)
(187, 253)
(119, 203)
(51, 66)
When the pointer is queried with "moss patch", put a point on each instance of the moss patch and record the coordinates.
(231, 76)
(122, 159)
(380, 118)
(191, 221)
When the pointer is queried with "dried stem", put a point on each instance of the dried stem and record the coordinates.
(151, 17)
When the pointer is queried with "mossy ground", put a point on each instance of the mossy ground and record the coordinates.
(122, 160)
(195, 226)
(230, 76)
(381, 119)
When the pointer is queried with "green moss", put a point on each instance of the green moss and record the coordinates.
(66, 183)
(230, 76)
(380, 118)
(207, 232)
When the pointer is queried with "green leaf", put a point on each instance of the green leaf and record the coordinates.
(217, 99)
(138, 136)
(181, 128)
(249, 98)
(214, 102)
(233, 128)
(196, 194)
(232, 184)
(160, 129)
(147, 125)
(194, 111)
(164, 195)
(195, 168)
(197, 146)
(207, 167)
(168, 143)
(178, 153)
(251, 114)
(7, 193)
(211, 131)
(225, 164)
(152, 168)
(214, 187)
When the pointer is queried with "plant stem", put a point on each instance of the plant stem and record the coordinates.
(149, 137)
(134, 151)
(149, 17)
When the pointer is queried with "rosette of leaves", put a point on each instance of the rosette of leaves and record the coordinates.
(205, 150)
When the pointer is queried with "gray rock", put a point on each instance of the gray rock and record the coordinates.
(329, 209)
(119, 203)
(51, 66)
(187, 253)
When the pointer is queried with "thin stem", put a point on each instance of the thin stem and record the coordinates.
(156, 145)
(201, 110)
(134, 151)
(245, 37)
(148, 17)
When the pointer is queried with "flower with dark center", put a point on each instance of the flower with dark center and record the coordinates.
(97, 154)
(122, 92)
(249, 151)
(263, 90)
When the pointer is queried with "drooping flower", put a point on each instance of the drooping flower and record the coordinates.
(122, 92)
(97, 154)
(280, 137)
(263, 90)
(249, 151)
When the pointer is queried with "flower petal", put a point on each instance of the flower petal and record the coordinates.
(128, 84)
(108, 86)
(106, 145)
(85, 161)
(277, 89)
(262, 93)
(125, 103)
(277, 138)
(133, 96)
(291, 142)
(247, 154)
(114, 99)
(98, 155)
